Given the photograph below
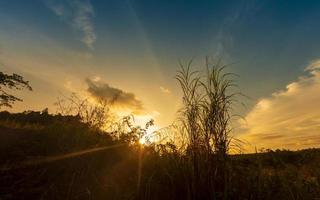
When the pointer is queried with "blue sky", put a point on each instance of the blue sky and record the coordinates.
(135, 46)
(268, 38)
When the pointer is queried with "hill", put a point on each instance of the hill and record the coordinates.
(45, 156)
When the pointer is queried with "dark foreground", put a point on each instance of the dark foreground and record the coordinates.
(65, 159)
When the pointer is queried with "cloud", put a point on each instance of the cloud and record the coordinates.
(289, 118)
(78, 14)
(101, 90)
(165, 90)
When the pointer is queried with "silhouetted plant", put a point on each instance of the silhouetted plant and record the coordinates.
(206, 119)
(195, 165)
(96, 114)
(126, 130)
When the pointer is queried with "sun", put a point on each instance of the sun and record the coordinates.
(142, 140)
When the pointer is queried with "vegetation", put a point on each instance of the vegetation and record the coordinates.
(206, 120)
(13, 81)
(74, 155)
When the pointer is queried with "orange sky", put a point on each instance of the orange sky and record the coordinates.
(134, 47)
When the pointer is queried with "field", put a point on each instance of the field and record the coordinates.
(44, 157)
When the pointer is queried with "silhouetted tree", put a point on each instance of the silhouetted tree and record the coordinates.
(97, 115)
(10, 82)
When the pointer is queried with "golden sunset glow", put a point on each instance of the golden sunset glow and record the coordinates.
(145, 83)
(160, 100)
(288, 117)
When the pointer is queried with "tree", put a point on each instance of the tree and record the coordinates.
(97, 115)
(11, 82)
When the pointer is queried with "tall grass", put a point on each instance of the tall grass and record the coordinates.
(196, 166)
(206, 119)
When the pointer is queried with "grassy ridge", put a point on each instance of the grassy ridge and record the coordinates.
(114, 173)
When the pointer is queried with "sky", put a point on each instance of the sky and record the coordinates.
(132, 48)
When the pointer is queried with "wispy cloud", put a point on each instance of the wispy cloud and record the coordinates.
(165, 90)
(101, 90)
(78, 14)
(289, 118)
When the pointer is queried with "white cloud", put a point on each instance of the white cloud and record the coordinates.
(289, 118)
(78, 14)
